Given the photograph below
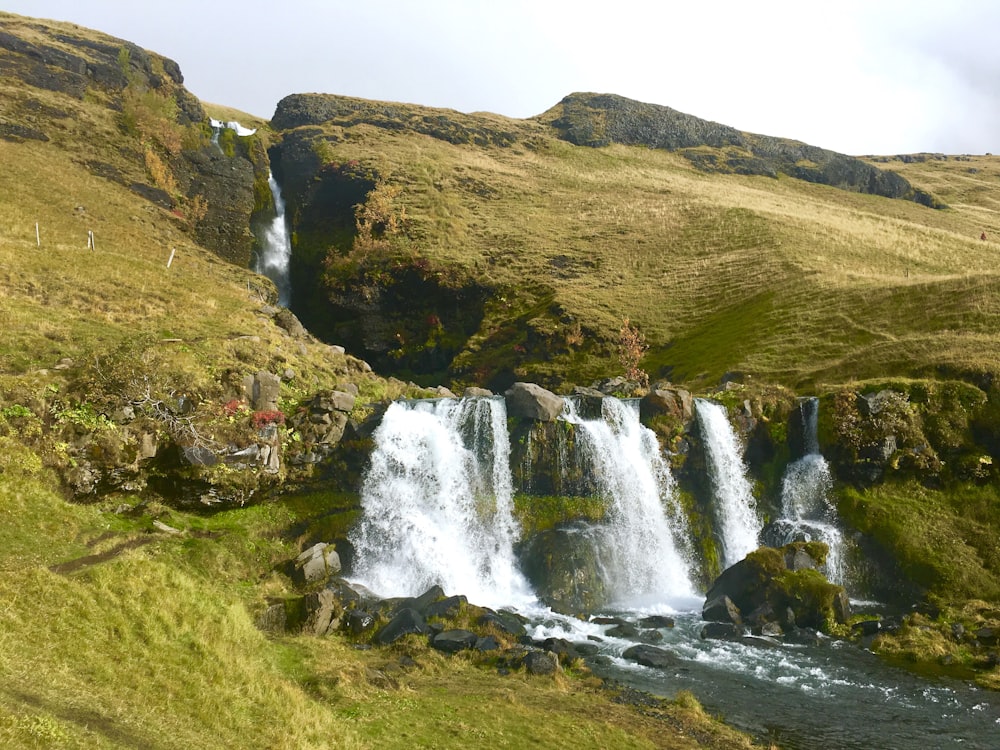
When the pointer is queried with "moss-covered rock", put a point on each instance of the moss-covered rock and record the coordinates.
(770, 582)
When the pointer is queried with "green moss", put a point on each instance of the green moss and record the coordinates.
(536, 513)
(943, 541)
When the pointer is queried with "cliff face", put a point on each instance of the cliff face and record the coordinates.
(75, 87)
(602, 119)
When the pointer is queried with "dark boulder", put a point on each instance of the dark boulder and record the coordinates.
(486, 643)
(359, 621)
(656, 621)
(448, 607)
(721, 631)
(540, 663)
(764, 584)
(564, 568)
(649, 656)
(505, 622)
(625, 630)
(721, 609)
(422, 602)
(406, 621)
(453, 641)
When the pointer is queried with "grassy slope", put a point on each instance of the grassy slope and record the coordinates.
(150, 642)
(783, 279)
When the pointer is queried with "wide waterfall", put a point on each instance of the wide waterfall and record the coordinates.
(735, 507)
(437, 504)
(276, 247)
(645, 538)
(807, 513)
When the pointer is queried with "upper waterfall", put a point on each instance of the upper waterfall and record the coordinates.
(276, 247)
(735, 506)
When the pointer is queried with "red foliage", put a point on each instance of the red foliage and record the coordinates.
(261, 419)
(232, 407)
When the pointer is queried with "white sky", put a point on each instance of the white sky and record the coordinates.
(875, 77)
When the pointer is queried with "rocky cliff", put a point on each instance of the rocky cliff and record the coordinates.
(54, 72)
(601, 119)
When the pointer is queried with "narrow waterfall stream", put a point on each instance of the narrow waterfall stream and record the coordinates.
(276, 247)
(437, 510)
(735, 508)
(807, 513)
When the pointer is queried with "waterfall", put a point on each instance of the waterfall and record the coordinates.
(276, 247)
(437, 504)
(735, 507)
(644, 539)
(805, 497)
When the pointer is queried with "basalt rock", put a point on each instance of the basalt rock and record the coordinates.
(531, 401)
(598, 120)
(764, 586)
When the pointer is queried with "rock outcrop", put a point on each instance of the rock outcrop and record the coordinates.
(775, 586)
(602, 119)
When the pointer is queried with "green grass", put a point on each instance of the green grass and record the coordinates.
(786, 280)
(945, 542)
(155, 646)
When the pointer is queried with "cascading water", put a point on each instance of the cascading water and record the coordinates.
(735, 506)
(437, 509)
(644, 539)
(438, 504)
(276, 247)
(805, 498)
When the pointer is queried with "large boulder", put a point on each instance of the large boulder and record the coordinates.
(778, 585)
(565, 570)
(531, 401)
(649, 656)
(663, 399)
(406, 622)
(316, 564)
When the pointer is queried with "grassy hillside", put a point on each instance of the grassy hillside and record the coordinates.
(116, 631)
(780, 278)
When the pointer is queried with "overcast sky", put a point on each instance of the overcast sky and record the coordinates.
(857, 76)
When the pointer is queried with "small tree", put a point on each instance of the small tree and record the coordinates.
(631, 348)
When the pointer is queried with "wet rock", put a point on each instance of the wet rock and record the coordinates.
(650, 636)
(590, 402)
(656, 621)
(867, 627)
(564, 568)
(531, 401)
(721, 609)
(649, 656)
(721, 631)
(625, 630)
(587, 649)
